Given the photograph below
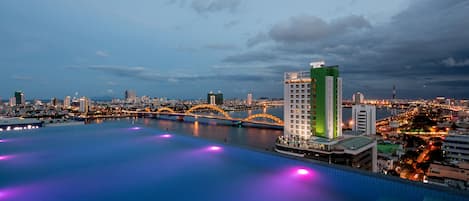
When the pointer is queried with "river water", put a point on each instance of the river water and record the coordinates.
(259, 138)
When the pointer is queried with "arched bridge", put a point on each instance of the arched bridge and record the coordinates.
(223, 115)
(207, 106)
(267, 116)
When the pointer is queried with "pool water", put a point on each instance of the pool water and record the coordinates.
(121, 161)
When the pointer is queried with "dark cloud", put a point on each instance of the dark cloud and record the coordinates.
(427, 41)
(257, 39)
(451, 62)
(451, 83)
(310, 28)
(207, 6)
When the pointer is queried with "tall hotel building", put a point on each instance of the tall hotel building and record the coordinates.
(314, 102)
(313, 120)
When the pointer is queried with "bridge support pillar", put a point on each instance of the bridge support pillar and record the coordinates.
(237, 124)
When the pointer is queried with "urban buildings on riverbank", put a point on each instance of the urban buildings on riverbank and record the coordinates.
(313, 120)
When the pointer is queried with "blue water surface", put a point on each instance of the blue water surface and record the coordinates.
(121, 161)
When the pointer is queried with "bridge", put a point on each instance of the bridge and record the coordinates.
(222, 115)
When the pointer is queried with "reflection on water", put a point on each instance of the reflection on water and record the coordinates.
(262, 138)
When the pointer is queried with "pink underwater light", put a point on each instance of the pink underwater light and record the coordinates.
(166, 136)
(214, 148)
(302, 171)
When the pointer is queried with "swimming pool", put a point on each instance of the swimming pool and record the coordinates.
(120, 161)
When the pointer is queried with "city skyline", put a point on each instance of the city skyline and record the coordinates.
(54, 49)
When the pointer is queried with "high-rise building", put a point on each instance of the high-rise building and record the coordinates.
(326, 101)
(215, 98)
(296, 94)
(19, 96)
(130, 95)
(67, 101)
(12, 101)
(364, 119)
(84, 105)
(358, 98)
(313, 121)
(249, 99)
(53, 101)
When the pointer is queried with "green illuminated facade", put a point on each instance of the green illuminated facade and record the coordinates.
(326, 102)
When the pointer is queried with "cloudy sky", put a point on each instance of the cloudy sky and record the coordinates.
(185, 48)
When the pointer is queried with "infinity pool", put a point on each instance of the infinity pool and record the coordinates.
(120, 161)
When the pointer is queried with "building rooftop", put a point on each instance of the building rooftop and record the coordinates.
(354, 143)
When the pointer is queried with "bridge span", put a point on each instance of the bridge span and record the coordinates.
(223, 115)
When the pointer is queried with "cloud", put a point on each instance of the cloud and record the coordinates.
(221, 46)
(102, 53)
(451, 62)
(208, 6)
(257, 39)
(408, 50)
(142, 73)
(306, 28)
(249, 57)
(111, 83)
(231, 23)
(21, 78)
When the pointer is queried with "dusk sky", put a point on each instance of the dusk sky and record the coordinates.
(186, 48)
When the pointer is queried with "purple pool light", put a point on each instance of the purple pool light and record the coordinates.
(214, 148)
(166, 136)
(135, 128)
(4, 157)
(1, 141)
(302, 171)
